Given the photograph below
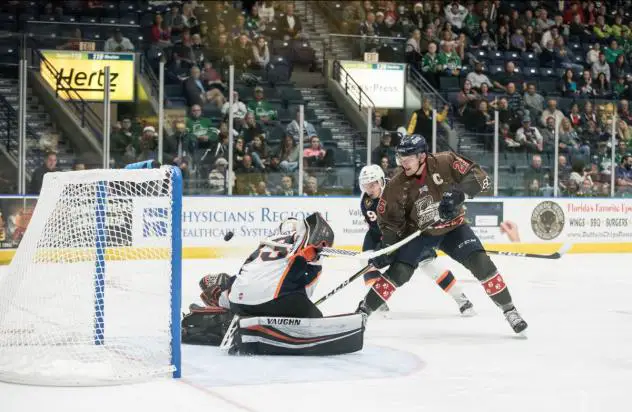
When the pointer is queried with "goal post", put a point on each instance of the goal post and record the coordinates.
(93, 293)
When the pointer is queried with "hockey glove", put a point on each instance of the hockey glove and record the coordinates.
(382, 261)
(451, 203)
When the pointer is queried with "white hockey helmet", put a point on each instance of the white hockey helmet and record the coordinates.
(371, 173)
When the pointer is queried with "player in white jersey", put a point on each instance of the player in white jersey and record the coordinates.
(372, 182)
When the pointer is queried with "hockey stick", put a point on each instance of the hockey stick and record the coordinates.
(329, 251)
(565, 248)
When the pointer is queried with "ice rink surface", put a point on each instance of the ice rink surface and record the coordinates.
(422, 356)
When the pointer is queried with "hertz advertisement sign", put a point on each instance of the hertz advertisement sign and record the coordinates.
(84, 72)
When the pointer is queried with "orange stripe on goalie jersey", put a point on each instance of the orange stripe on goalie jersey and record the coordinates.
(494, 285)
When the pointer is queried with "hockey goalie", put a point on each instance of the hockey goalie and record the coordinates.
(271, 296)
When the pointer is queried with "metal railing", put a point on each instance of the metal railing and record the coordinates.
(81, 109)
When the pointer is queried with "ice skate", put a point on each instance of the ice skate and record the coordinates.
(515, 320)
(466, 307)
(364, 311)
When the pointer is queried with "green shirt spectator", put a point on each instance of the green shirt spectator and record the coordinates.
(430, 61)
(202, 128)
(262, 109)
(612, 52)
(449, 60)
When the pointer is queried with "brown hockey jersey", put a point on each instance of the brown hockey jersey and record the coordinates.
(405, 198)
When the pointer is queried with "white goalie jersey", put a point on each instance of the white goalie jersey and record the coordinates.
(271, 272)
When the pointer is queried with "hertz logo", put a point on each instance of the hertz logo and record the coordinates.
(74, 74)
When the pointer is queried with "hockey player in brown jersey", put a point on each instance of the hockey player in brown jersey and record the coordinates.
(425, 183)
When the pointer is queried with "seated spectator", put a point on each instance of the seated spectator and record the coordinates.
(175, 20)
(118, 43)
(261, 108)
(239, 109)
(261, 189)
(517, 41)
(586, 85)
(478, 77)
(288, 154)
(190, 19)
(315, 156)
(239, 27)
(482, 120)
(182, 144)
(201, 128)
(569, 85)
(413, 52)
(570, 142)
(485, 93)
(430, 66)
(386, 167)
(194, 90)
(509, 142)
(515, 100)
(124, 143)
(529, 136)
(251, 128)
(290, 25)
(575, 116)
(592, 56)
(506, 114)
(384, 149)
(619, 68)
(563, 173)
(564, 57)
(286, 187)
(551, 110)
(533, 102)
(601, 29)
(455, 14)
(293, 128)
(623, 175)
(261, 53)
(501, 38)
(217, 177)
(160, 33)
(467, 99)
(428, 37)
(212, 82)
(536, 173)
(37, 178)
(484, 39)
(624, 111)
(602, 86)
(509, 75)
(612, 52)
(311, 187)
(601, 66)
(259, 151)
(620, 88)
(247, 176)
(450, 61)
(242, 53)
(148, 144)
(579, 183)
(624, 132)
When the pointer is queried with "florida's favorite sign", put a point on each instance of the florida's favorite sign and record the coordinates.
(84, 74)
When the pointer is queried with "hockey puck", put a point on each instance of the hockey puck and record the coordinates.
(228, 236)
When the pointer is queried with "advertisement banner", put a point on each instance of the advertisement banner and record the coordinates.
(384, 83)
(537, 225)
(84, 73)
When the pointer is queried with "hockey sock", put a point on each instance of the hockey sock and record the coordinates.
(448, 283)
(497, 291)
(380, 292)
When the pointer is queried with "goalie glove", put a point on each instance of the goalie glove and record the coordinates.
(212, 286)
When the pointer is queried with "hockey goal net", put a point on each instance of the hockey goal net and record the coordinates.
(92, 296)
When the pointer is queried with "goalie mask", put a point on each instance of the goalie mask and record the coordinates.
(315, 231)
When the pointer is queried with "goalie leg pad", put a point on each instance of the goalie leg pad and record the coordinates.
(300, 336)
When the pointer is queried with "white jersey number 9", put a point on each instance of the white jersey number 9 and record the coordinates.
(371, 215)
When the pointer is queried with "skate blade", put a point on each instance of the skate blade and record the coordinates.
(468, 313)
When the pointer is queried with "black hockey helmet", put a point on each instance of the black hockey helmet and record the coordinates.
(314, 230)
(412, 144)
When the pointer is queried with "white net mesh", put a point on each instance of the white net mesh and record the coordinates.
(88, 296)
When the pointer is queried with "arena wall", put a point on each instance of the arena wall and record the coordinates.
(541, 225)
